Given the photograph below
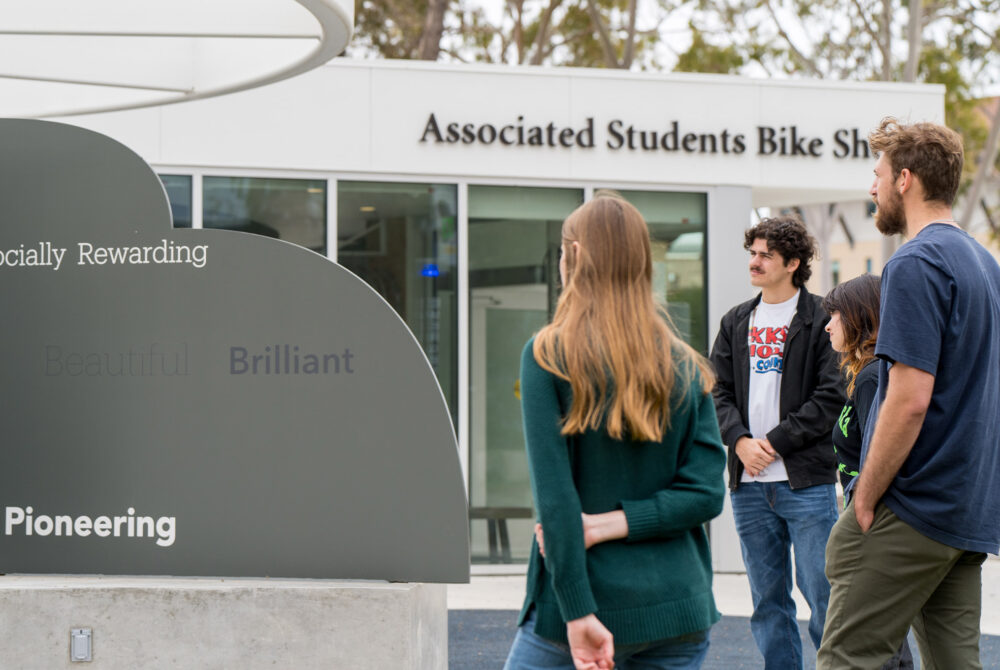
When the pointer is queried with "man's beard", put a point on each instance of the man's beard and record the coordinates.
(890, 219)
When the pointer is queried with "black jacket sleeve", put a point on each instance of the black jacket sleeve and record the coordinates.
(731, 424)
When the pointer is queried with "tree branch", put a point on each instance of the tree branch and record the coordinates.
(868, 29)
(885, 44)
(913, 34)
(987, 159)
(430, 38)
(630, 39)
(538, 49)
(807, 62)
(994, 226)
(517, 15)
(610, 58)
(990, 36)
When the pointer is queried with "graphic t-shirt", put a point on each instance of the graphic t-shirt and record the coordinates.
(850, 426)
(766, 339)
(941, 314)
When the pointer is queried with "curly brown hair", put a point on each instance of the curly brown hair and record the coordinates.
(788, 236)
(933, 153)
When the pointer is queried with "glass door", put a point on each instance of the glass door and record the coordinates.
(677, 225)
(514, 237)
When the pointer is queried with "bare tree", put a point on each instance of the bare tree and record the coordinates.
(951, 42)
(430, 40)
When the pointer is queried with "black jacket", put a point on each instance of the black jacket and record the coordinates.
(812, 392)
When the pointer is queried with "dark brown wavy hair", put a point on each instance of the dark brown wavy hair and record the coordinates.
(789, 237)
(858, 301)
(934, 153)
(608, 338)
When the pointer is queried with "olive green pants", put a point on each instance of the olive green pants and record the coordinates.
(883, 581)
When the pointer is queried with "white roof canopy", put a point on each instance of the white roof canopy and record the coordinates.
(60, 57)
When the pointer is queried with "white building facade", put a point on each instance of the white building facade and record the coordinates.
(444, 187)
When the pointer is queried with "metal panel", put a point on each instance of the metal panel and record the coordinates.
(204, 402)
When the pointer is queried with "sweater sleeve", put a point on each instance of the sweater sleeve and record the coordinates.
(697, 491)
(556, 498)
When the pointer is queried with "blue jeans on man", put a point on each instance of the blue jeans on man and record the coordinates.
(771, 518)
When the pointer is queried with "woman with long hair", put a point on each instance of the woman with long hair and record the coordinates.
(626, 464)
(853, 327)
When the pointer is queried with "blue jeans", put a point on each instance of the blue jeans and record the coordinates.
(770, 519)
(531, 652)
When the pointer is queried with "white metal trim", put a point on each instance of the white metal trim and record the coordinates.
(336, 26)
(586, 185)
(136, 33)
(105, 84)
(331, 219)
(197, 222)
(766, 84)
(462, 223)
(263, 173)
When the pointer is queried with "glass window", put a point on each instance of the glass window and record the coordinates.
(514, 238)
(835, 270)
(677, 224)
(868, 265)
(402, 240)
(178, 188)
(288, 209)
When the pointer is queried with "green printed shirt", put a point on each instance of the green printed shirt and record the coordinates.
(850, 426)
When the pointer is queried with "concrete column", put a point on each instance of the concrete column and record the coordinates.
(729, 210)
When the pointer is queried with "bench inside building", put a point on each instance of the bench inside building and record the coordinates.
(496, 522)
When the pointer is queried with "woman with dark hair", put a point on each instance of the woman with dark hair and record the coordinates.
(626, 464)
(853, 327)
(854, 317)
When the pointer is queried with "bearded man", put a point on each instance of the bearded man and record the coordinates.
(925, 509)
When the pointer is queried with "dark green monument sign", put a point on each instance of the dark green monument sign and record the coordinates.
(200, 402)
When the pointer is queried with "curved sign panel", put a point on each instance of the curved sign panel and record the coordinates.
(202, 402)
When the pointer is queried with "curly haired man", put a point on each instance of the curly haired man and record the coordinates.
(778, 396)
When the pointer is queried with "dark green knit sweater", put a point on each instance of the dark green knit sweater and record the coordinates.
(657, 583)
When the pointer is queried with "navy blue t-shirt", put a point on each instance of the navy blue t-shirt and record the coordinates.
(941, 313)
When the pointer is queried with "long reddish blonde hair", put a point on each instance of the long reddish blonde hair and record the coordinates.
(608, 338)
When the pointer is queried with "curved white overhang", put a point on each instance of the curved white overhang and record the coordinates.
(62, 57)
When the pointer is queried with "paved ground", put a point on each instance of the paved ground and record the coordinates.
(480, 639)
(483, 614)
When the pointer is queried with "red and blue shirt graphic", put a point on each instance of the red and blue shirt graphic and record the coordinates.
(767, 348)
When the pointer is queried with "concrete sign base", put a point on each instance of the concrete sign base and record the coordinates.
(154, 623)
